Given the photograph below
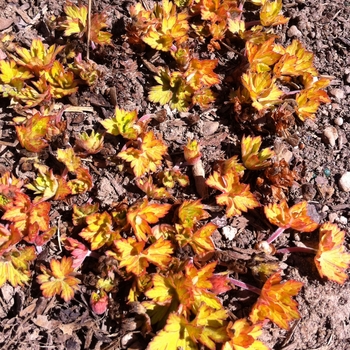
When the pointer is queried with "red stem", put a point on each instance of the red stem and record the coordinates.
(275, 235)
(246, 286)
(297, 250)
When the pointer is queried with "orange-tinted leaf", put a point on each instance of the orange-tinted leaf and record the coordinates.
(190, 212)
(148, 157)
(170, 177)
(200, 240)
(142, 214)
(99, 231)
(236, 26)
(45, 184)
(208, 327)
(262, 57)
(192, 152)
(43, 238)
(254, 159)
(270, 13)
(81, 212)
(9, 236)
(14, 266)
(63, 189)
(92, 143)
(171, 28)
(124, 123)
(62, 83)
(295, 61)
(69, 159)
(82, 183)
(231, 164)
(331, 259)
(24, 214)
(178, 333)
(32, 135)
(200, 284)
(37, 59)
(136, 259)
(11, 73)
(296, 217)
(262, 89)
(276, 303)
(187, 288)
(173, 89)
(308, 101)
(200, 73)
(98, 36)
(220, 283)
(75, 22)
(8, 179)
(59, 280)
(151, 190)
(244, 336)
(236, 196)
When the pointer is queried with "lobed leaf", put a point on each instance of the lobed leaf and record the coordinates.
(275, 302)
(331, 258)
(59, 280)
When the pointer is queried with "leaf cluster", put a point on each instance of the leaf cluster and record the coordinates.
(162, 246)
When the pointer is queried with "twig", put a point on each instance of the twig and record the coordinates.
(88, 30)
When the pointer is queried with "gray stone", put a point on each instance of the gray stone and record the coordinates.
(293, 31)
(344, 182)
(330, 135)
(339, 121)
(337, 93)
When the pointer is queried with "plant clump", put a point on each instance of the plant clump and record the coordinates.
(162, 247)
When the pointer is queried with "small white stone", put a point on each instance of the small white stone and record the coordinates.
(294, 31)
(210, 128)
(332, 217)
(339, 121)
(229, 232)
(325, 208)
(337, 93)
(330, 135)
(343, 220)
(344, 182)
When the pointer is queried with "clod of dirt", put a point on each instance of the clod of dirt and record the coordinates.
(344, 182)
(330, 135)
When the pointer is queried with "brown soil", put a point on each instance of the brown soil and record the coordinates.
(29, 321)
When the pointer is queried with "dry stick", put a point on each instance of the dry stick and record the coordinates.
(88, 30)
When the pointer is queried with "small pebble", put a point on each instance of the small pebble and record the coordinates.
(347, 78)
(294, 31)
(330, 135)
(339, 121)
(332, 217)
(343, 220)
(229, 232)
(337, 93)
(209, 128)
(344, 182)
(325, 208)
